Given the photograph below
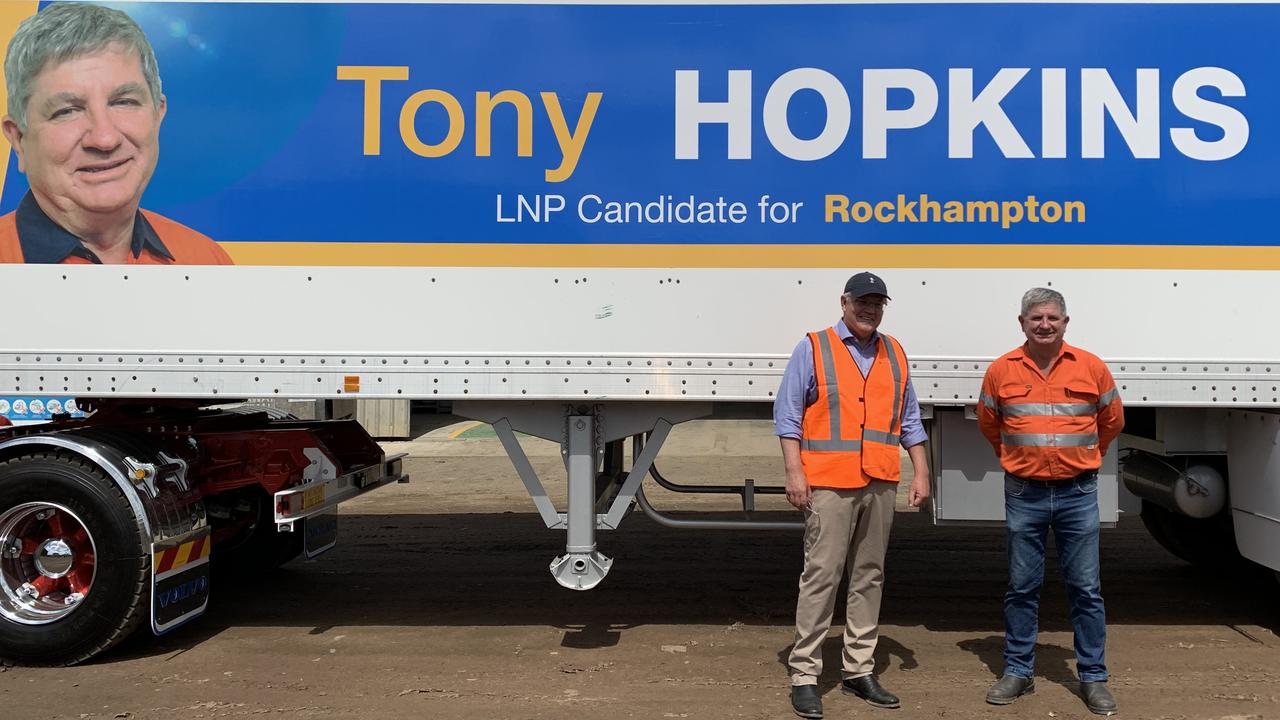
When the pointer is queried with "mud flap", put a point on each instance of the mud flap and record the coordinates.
(179, 582)
(320, 532)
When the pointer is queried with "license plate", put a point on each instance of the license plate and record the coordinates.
(312, 497)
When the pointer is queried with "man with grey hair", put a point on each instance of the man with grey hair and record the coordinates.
(844, 411)
(84, 117)
(1050, 411)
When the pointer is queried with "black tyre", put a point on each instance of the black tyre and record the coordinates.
(74, 563)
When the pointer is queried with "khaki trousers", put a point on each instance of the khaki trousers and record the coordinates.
(845, 533)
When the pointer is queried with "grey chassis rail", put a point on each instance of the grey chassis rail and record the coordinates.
(668, 521)
(747, 491)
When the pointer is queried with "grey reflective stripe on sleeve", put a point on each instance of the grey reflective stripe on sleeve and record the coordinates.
(829, 378)
(897, 380)
(1046, 409)
(883, 438)
(1048, 440)
(1105, 398)
(832, 445)
(989, 401)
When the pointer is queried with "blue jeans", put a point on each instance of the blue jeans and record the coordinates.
(1071, 509)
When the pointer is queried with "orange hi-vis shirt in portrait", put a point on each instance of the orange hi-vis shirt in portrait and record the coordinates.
(850, 435)
(1050, 427)
(28, 235)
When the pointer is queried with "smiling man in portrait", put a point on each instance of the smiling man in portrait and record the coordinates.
(84, 117)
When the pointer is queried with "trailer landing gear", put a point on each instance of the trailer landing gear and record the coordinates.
(583, 432)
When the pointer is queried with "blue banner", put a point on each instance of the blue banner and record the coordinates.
(897, 124)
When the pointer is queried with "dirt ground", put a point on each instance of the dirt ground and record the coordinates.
(437, 603)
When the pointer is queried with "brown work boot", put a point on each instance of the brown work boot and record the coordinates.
(806, 702)
(868, 688)
(1010, 688)
(1098, 698)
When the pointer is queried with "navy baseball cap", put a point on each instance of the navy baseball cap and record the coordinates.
(865, 283)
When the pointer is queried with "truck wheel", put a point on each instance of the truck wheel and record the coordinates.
(74, 564)
(1210, 542)
(246, 542)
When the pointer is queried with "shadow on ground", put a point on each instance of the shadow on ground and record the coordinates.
(491, 570)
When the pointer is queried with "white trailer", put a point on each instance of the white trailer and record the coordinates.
(398, 261)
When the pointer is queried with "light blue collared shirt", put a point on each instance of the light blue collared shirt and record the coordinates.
(799, 388)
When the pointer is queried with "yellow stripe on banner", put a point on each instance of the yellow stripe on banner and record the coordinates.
(204, 549)
(12, 12)
(1161, 257)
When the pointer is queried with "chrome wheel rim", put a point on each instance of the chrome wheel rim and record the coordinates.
(47, 563)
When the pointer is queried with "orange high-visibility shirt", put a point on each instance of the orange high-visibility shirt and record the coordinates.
(1050, 427)
(28, 235)
(850, 435)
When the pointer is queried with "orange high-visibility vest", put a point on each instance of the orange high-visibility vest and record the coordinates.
(851, 431)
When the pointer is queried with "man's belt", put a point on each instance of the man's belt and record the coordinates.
(1050, 482)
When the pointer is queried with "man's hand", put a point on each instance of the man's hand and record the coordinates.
(798, 493)
(919, 490)
(920, 483)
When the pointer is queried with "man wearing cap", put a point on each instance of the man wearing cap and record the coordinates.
(844, 409)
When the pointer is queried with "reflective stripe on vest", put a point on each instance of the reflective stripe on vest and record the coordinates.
(833, 388)
(896, 417)
(831, 445)
(1049, 440)
(850, 445)
(883, 438)
(1108, 397)
(1050, 409)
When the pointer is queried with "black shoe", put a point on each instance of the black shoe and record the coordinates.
(1098, 698)
(867, 688)
(806, 702)
(1010, 688)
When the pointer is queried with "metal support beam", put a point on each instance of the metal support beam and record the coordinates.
(524, 469)
(581, 567)
(639, 469)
